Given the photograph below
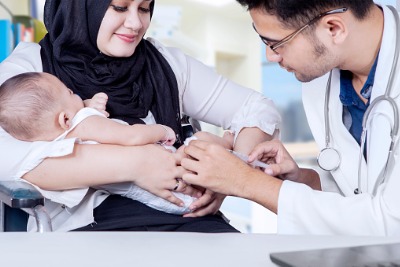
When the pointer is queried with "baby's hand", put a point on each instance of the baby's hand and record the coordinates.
(169, 138)
(229, 139)
(98, 101)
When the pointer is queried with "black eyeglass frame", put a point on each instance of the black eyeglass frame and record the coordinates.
(291, 36)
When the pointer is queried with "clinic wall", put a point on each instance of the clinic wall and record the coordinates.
(17, 7)
(218, 39)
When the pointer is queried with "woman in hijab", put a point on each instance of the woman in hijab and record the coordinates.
(98, 46)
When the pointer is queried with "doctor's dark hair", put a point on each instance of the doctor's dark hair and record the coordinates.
(295, 13)
(23, 102)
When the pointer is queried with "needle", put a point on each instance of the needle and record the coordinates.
(245, 158)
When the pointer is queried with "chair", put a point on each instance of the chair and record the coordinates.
(190, 126)
(17, 201)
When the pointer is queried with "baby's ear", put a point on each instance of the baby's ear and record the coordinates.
(64, 120)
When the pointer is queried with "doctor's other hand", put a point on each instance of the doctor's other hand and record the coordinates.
(209, 203)
(282, 165)
(211, 166)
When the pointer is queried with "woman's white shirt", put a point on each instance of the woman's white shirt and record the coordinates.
(204, 95)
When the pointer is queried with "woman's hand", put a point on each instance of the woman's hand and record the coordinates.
(281, 164)
(98, 101)
(159, 173)
(209, 203)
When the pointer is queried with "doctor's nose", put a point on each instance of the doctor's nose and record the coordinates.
(272, 56)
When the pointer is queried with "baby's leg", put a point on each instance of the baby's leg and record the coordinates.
(158, 203)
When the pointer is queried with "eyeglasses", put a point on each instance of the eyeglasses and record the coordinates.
(291, 36)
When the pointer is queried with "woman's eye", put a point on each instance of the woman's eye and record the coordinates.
(119, 8)
(144, 10)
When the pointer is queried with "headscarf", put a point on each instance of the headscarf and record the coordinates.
(135, 85)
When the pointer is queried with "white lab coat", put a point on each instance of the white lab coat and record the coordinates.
(304, 211)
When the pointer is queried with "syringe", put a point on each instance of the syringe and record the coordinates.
(245, 158)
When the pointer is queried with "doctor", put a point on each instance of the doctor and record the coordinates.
(345, 53)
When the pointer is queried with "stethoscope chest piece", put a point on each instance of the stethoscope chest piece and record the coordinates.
(329, 159)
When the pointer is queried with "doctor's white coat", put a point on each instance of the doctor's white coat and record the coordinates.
(304, 211)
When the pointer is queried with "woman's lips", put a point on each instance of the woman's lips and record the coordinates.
(129, 38)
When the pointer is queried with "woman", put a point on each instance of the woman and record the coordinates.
(102, 49)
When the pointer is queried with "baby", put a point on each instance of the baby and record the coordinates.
(39, 107)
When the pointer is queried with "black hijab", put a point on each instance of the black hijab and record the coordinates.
(135, 85)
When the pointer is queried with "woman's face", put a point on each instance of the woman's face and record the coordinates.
(123, 27)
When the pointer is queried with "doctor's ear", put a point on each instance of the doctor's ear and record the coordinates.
(64, 120)
(336, 28)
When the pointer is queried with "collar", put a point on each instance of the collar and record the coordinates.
(348, 96)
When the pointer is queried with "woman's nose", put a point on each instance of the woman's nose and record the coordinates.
(133, 21)
(272, 56)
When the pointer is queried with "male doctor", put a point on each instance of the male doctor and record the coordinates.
(355, 41)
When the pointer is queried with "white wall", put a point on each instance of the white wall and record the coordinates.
(19, 7)
(220, 37)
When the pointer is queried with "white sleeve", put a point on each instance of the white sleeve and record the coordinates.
(19, 157)
(25, 58)
(214, 99)
(302, 210)
(209, 97)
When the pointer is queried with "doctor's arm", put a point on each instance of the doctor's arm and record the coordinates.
(212, 167)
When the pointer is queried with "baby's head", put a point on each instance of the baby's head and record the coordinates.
(36, 106)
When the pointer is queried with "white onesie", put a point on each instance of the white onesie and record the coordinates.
(130, 190)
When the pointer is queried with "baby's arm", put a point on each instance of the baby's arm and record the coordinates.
(98, 102)
(107, 131)
(225, 141)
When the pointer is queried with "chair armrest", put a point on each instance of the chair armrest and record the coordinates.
(20, 195)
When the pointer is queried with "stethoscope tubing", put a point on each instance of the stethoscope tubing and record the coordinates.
(325, 162)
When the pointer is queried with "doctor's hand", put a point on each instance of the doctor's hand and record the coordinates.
(211, 166)
(208, 203)
(282, 165)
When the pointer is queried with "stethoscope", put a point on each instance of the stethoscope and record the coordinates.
(329, 158)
